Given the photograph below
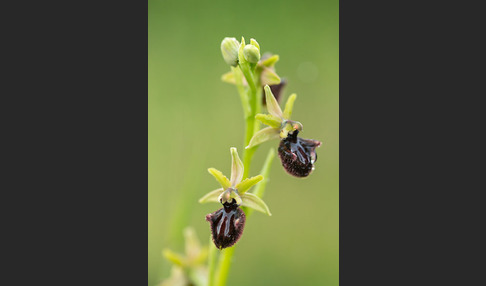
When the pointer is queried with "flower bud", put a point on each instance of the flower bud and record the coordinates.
(229, 49)
(227, 224)
(251, 53)
(297, 154)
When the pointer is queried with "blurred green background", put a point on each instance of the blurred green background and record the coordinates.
(194, 118)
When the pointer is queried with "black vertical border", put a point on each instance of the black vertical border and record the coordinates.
(408, 124)
(88, 70)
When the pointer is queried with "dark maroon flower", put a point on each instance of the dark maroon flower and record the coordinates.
(227, 224)
(297, 154)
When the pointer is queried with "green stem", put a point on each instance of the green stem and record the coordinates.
(259, 189)
(213, 253)
(224, 265)
(254, 101)
(241, 90)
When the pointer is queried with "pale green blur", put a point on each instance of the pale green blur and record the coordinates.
(194, 118)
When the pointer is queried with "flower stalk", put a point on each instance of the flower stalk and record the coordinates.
(252, 75)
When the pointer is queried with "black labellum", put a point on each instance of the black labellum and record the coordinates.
(227, 224)
(297, 154)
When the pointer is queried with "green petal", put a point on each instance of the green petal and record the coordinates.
(252, 201)
(211, 196)
(222, 180)
(272, 104)
(269, 120)
(229, 77)
(247, 183)
(270, 77)
(236, 167)
(173, 257)
(270, 62)
(192, 245)
(255, 43)
(289, 106)
(263, 135)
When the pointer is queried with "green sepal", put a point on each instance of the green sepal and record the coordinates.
(222, 180)
(252, 201)
(289, 105)
(247, 183)
(269, 120)
(263, 135)
(271, 61)
(272, 104)
(241, 56)
(270, 77)
(237, 168)
(212, 196)
(194, 252)
(255, 43)
(173, 257)
(229, 77)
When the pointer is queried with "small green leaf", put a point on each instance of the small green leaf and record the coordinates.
(269, 120)
(173, 257)
(247, 183)
(229, 77)
(272, 104)
(236, 167)
(271, 61)
(263, 135)
(252, 201)
(269, 77)
(211, 196)
(289, 106)
(222, 180)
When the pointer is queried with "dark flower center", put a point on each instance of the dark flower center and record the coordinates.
(227, 224)
(297, 154)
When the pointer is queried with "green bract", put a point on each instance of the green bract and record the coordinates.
(279, 122)
(235, 188)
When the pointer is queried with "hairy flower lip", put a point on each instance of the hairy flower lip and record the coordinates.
(297, 154)
(227, 224)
